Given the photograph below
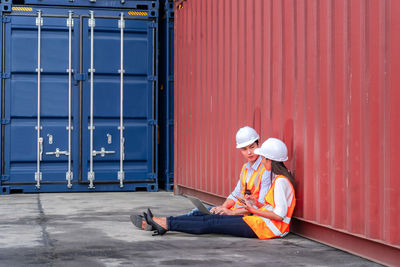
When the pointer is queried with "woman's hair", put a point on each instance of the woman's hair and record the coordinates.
(279, 168)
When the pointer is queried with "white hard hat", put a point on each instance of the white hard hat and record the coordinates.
(273, 149)
(246, 136)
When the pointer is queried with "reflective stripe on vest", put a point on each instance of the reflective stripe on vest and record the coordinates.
(254, 183)
(286, 220)
(267, 228)
(273, 228)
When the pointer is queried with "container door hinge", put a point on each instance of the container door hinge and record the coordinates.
(153, 25)
(5, 19)
(80, 77)
(5, 75)
(171, 78)
(152, 122)
(152, 175)
(5, 121)
(5, 178)
(152, 78)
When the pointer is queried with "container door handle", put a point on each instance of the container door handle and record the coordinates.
(57, 153)
(40, 148)
(102, 152)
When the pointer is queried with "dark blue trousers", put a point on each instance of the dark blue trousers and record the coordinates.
(211, 224)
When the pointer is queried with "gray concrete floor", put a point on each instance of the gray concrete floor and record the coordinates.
(94, 229)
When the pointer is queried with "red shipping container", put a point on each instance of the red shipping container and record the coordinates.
(321, 75)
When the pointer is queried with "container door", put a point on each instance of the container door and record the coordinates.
(109, 155)
(36, 93)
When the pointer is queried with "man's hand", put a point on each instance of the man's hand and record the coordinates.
(220, 210)
(215, 209)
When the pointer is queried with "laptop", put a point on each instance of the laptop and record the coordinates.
(199, 205)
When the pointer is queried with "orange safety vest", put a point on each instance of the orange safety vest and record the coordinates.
(253, 184)
(268, 228)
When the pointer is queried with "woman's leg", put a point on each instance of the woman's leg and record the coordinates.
(211, 224)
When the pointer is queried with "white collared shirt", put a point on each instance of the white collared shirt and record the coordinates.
(283, 196)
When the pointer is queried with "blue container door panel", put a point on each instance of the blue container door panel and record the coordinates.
(21, 91)
(138, 104)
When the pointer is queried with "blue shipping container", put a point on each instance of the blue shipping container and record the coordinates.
(76, 115)
(166, 112)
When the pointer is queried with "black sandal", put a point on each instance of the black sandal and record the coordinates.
(158, 229)
(137, 220)
(150, 213)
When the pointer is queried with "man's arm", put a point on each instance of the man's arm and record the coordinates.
(229, 202)
(235, 193)
(224, 209)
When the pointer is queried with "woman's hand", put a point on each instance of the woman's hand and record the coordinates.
(250, 198)
(249, 205)
(253, 201)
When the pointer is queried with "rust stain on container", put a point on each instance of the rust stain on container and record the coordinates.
(321, 75)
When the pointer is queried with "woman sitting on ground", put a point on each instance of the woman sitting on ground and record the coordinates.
(267, 221)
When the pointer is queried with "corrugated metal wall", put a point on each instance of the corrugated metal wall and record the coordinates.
(322, 75)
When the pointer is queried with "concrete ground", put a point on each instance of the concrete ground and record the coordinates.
(94, 229)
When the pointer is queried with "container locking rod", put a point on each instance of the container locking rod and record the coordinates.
(91, 25)
(70, 24)
(39, 139)
(121, 174)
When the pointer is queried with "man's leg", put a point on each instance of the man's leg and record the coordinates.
(196, 212)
